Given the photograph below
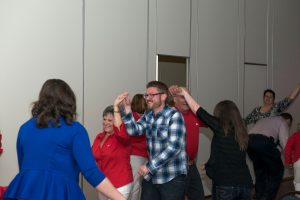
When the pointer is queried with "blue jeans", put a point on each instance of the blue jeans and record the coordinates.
(172, 190)
(231, 193)
(291, 197)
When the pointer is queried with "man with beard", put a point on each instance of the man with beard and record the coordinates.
(164, 173)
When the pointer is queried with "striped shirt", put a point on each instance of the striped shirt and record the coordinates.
(166, 143)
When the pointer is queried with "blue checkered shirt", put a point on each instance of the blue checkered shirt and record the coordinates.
(166, 143)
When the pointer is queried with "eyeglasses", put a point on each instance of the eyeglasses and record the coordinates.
(152, 95)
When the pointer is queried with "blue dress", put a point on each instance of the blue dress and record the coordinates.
(50, 160)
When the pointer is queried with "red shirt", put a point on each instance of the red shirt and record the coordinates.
(292, 149)
(2, 190)
(113, 158)
(193, 125)
(138, 143)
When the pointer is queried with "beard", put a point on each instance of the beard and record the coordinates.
(153, 105)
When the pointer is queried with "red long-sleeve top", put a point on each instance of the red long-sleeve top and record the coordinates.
(193, 125)
(113, 158)
(138, 143)
(292, 149)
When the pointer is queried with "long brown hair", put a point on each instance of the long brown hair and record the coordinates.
(56, 100)
(230, 118)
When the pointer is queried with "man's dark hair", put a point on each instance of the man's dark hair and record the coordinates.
(162, 87)
(287, 116)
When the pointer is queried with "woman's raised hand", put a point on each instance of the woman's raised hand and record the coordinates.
(121, 98)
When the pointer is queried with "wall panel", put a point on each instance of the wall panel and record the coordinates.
(38, 40)
(115, 58)
(215, 62)
(173, 27)
(257, 17)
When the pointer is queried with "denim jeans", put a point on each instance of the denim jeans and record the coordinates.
(172, 190)
(291, 197)
(231, 193)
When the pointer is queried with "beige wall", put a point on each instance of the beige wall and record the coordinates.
(38, 40)
(286, 53)
(115, 58)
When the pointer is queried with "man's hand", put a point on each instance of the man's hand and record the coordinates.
(202, 167)
(143, 170)
(173, 89)
(176, 90)
(123, 100)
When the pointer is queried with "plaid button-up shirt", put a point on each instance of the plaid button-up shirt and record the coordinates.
(166, 143)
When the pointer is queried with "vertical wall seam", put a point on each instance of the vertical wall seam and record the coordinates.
(83, 68)
(148, 37)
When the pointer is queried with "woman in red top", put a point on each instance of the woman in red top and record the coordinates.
(139, 154)
(292, 155)
(111, 150)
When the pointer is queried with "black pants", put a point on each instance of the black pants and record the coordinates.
(172, 190)
(268, 166)
(193, 184)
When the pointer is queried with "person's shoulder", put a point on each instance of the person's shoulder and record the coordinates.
(280, 122)
(282, 100)
(78, 125)
(255, 110)
(171, 110)
(75, 127)
(174, 114)
(296, 134)
(27, 127)
(278, 118)
(29, 123)
(189, 115)
(273, 119)
(100, 135)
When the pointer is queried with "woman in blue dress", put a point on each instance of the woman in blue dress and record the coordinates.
(53, 149)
